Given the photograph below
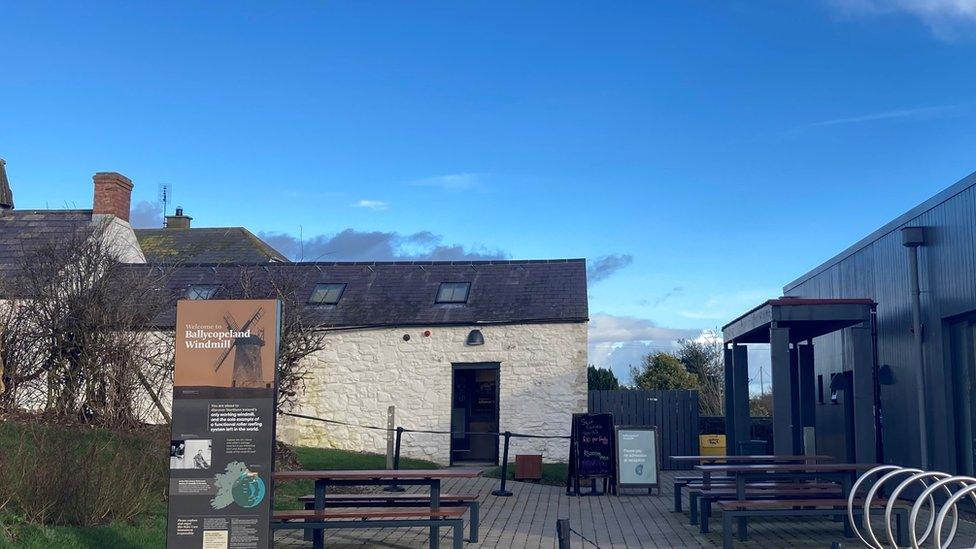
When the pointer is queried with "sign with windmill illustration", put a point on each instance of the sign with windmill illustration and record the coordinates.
(224, 351)
(223, 438)
(246, 348)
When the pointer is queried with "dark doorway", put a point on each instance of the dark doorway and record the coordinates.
(474, 409)
(962, 348)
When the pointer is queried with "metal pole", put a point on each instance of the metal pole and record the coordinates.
(396, 462)
(390, 429)
(501, 490)
(562, 533)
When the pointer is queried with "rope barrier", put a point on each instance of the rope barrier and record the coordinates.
(502, 491)
(584, 538)
(421, 431)
(400, 430)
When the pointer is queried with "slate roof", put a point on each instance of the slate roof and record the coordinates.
(205, 245)
(403, 293)
(25, 231)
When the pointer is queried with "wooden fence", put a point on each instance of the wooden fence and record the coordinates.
(675, 413)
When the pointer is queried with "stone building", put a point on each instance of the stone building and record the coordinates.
(463, 346)
(466, 347)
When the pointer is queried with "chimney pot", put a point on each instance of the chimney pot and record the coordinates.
(113, 195)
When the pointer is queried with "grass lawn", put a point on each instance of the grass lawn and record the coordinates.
(149, 530)
(553, 474)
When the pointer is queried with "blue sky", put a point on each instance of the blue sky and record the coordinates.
(699, 154)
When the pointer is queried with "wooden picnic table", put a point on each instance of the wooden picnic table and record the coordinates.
(378, 477)
(746, 459)
(842, 473)
(679, 482)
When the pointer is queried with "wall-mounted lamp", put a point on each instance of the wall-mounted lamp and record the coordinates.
(475, 337)
(837, 383)
(885, 375)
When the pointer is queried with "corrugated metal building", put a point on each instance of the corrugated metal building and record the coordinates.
(879, 267)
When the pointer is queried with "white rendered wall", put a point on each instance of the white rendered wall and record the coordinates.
(362, 372)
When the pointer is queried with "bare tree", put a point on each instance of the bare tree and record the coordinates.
(703, 359)
(86, 319)
(300, 335)
(20, 363)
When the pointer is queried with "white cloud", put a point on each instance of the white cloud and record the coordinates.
(703, 315)
(354, 245)
(947, 19)
(919, 113)
(146, 215)
(452, 182)
(375, 205)
(612, 328)
(619, 342)
(725, 307)
(622, 342)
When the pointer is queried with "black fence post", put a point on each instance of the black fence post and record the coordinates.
(562, 533)
(394, 487)
(501, 490)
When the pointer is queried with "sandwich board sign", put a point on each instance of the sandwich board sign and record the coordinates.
(591, 452)
(223, 436)
(638, 458)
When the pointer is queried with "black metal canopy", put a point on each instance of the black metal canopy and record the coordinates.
(805, 318)
(789, 326)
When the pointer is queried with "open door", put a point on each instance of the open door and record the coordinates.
(474, 409)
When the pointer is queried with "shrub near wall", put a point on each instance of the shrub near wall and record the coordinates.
(78, 475)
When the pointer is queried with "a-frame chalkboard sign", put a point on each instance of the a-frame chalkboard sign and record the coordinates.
(592, 454)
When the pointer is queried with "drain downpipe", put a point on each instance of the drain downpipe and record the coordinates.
(912, 238)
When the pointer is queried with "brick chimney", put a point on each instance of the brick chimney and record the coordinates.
(113, 194)
(178, 221)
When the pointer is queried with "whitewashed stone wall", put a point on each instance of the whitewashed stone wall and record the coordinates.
(121, 238)
(360, 373)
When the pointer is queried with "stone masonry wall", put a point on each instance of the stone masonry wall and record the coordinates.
(362, 372)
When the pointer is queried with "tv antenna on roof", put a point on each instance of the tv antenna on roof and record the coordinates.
(165, 196)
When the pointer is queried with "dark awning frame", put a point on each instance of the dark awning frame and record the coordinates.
(789, 326)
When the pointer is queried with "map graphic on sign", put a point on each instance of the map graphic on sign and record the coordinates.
(238, 485)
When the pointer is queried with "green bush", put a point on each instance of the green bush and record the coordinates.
(78, 476)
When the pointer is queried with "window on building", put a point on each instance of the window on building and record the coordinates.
(453, 292)
(201, 291)
(820, 393)
(327, 294)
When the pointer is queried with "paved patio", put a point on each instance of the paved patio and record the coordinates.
(528, 520)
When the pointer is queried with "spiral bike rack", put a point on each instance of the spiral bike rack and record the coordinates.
(955, 488)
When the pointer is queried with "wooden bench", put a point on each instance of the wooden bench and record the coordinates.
(310, 520)
(401, 500)
(732, 510)
(721, 482)
(690, 481)
(700, 501)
